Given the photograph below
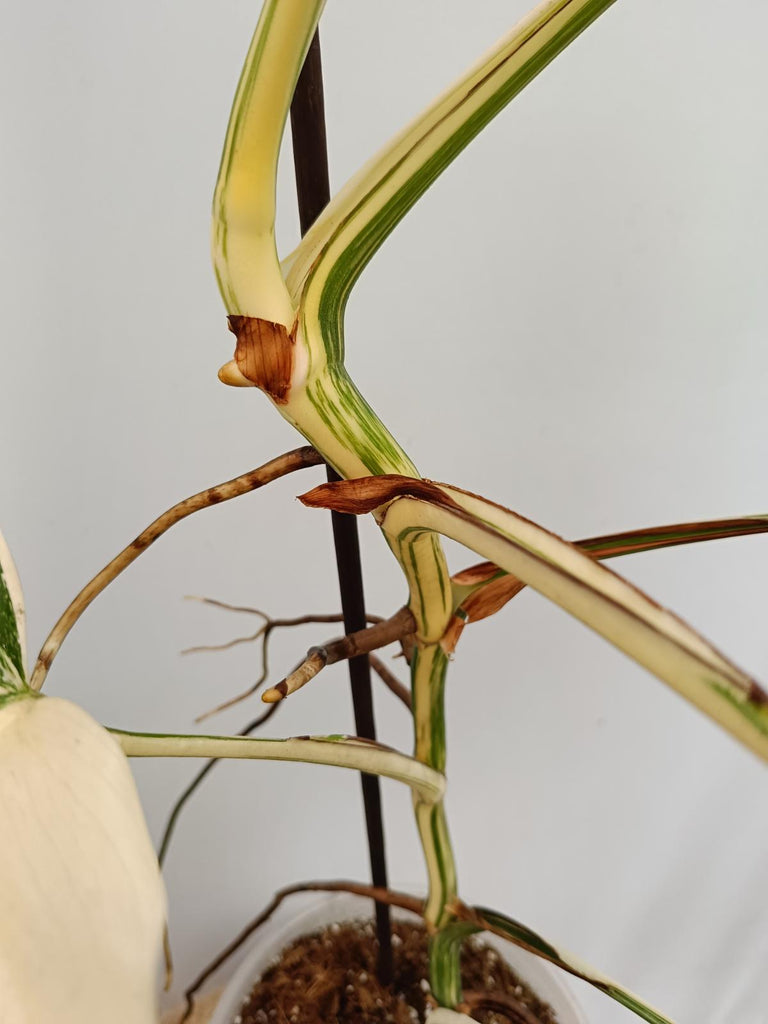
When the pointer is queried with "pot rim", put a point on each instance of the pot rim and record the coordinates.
(324, 908)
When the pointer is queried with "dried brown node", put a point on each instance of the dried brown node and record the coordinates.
(264, 354)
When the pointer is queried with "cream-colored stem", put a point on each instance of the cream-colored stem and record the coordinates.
(339, 752)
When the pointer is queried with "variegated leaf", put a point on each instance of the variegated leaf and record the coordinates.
(12, 625)
(82, 903)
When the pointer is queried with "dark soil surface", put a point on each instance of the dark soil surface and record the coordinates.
(329, 978)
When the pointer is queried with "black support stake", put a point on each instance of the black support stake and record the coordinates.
(310, 159)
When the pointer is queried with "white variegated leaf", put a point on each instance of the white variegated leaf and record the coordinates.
(82, 903)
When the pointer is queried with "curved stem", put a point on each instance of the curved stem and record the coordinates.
(316, 395)
(325, 265)
(244, 253)
(335, 751)
(300, 365)
(650, 634)
(299, 458)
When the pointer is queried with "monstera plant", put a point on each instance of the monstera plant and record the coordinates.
(82, 904)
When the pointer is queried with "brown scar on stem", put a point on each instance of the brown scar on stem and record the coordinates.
(364, 494)
(264, 354)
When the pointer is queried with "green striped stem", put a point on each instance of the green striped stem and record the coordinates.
(602, 600)
(321, 273)
(330, 257)
(445, 960)
(335, 418)
(336, 751)
(332, 414)
(429, 668)
(324, 406)
(444, 946)
(243, 237)
(322, 402)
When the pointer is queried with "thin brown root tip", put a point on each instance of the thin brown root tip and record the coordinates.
(202, 647)
(251, 638)
(211, 712)
(227, 606)
(220, 707)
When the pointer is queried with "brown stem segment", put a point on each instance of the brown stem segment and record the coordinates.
(349, 647)
(310, 159)
(264, 633)
(300, 458)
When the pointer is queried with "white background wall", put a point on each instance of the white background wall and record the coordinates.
(572, 322)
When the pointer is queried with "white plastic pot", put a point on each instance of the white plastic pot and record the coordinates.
(322, 909)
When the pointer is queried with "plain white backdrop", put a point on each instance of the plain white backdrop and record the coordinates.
(572, 322)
